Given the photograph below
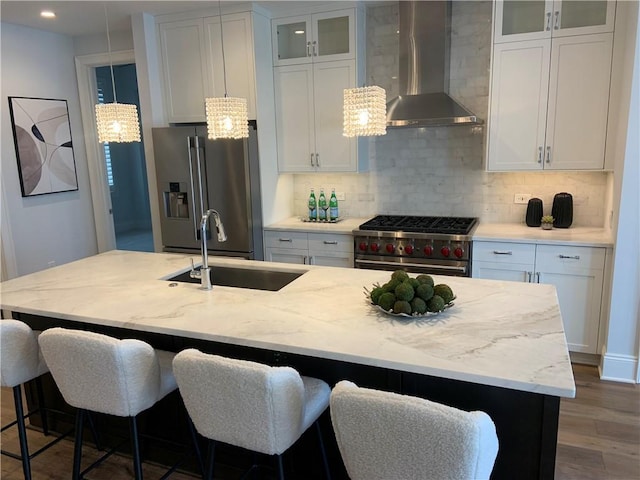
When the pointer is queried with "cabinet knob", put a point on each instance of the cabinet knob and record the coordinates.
(570, 257)
(308, 49)
(502, 252)
(315, 49)
(556, 23)
(540, 154)
(548, 154)
(548, 21)
(327, 242)
(285, 240)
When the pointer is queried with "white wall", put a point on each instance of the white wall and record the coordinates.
(620, 357)
(57, 227)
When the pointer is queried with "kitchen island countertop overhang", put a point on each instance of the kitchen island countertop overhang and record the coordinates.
(502, 334)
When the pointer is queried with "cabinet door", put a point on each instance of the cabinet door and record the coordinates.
(291, 40)
(583, 17)
(578, 102)
(238, 58)
(577, 273)
(333, 36)
(334, 151)
(517, 117)
(517, 20)
(329, 249)
(286, 255)
(294, 118)
(344, 260)
(183, 50)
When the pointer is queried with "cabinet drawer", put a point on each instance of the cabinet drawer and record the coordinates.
(561, 257)
(323, 242)
(504, 252)
(286, 239)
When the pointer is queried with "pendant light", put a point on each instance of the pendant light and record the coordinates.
(365, 111)
(116, 122)
(226, 116)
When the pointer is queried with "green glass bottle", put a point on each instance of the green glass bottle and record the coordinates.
(333, 206)
(323, 206)
(312, 206)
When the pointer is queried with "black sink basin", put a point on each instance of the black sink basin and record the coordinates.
(244, 278)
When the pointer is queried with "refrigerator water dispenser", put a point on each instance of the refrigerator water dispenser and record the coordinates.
(176, 204)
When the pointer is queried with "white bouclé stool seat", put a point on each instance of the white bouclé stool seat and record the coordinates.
(387, 436)
(102, 374)
(250, 405)
(21, 361)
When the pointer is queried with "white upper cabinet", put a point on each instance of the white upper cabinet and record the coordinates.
(549, 104)
(312, 38)
(191, 56)
(518, 20)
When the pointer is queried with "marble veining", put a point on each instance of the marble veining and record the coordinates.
(504, 334)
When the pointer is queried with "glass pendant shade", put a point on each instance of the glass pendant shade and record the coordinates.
(117, 122)
(365, 111)
(227, 117)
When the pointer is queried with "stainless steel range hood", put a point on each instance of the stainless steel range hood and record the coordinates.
(424, 69)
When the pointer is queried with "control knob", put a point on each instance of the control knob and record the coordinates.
(458, 252)
(428, 250)
(445, 251)
(390, 247)
(408, 249)
(363, 246)
(374, 247)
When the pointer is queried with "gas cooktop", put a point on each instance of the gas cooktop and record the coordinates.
(418, 224)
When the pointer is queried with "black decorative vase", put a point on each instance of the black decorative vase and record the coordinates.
(534, 212)
(562, 210)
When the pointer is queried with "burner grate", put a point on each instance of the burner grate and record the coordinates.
(418, 224)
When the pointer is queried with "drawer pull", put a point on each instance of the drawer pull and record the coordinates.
(502, 252)
(574, 257)
(327, 242)
(530, 274)
(285, 240)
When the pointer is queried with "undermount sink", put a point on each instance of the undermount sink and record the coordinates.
(255, 279)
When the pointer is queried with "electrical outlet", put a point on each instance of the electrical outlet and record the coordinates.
(340, 196)
(521, 197)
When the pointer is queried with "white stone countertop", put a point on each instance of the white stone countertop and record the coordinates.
(505, 334)
(520, 233)
(346, 225)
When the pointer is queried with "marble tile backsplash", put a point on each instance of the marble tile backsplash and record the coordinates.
(440, 171)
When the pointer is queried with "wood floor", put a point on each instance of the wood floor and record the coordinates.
(599, 438)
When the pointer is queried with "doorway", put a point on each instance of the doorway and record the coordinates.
(125, 167)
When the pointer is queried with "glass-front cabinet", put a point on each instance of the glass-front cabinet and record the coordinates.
(518, 20)
(314, 38)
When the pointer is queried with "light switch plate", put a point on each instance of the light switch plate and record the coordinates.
(340, 195)
(521, 197)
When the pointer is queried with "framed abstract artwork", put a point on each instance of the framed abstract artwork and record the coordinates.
(44, 150)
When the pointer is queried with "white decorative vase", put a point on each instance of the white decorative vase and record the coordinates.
(547, 226)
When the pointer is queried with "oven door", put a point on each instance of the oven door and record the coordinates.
(432, 267)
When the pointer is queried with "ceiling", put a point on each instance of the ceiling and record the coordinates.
(78, 17)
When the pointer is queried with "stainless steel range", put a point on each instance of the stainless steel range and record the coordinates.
(437, 245)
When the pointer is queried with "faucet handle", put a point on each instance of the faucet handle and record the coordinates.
(194, 273)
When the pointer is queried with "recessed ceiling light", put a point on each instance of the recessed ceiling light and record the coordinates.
(47, 14)
(298, 32)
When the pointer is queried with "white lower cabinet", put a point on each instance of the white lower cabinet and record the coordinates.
(576, 272)
(327, 249)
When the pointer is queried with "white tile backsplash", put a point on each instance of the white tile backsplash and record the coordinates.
(440, 171)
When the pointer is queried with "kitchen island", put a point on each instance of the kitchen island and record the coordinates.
(500, 348)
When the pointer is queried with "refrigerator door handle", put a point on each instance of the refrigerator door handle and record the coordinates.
(193, 191)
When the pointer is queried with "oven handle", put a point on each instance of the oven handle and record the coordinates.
(416, 265)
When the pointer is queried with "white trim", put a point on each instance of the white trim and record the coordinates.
(100, 195)
(618, 368)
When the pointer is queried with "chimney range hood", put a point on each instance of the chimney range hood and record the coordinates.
(424, 69)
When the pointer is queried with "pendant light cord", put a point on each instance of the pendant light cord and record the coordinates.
(224, 68)
(113, 82)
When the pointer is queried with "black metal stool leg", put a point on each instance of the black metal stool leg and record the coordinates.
(194, 439)
(135, 446)
(41, 406)
(94, 432)
(280, 468)
(325, 463)
(22, 432)
(211, 459)
(77, 450)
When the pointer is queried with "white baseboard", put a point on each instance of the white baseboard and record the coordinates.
(618, 368)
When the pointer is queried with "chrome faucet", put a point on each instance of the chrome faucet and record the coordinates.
(204, 273)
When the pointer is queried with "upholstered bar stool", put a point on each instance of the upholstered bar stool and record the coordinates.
(250, 405)
(386, 436)
(20, 362)
(102, 374)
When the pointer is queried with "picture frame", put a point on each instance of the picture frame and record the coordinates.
(44, 148)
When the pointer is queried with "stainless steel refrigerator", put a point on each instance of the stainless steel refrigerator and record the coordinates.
(195, 174)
